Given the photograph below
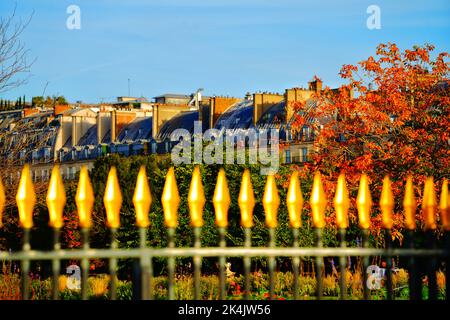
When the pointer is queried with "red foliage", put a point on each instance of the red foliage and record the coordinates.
(395, 122)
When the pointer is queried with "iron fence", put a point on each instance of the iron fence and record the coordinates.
(435, 252)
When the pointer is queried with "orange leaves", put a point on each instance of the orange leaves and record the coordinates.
(347, 71)
(396, 122)
(371, 65)
(364, 163)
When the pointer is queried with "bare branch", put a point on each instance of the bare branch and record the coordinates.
(13, 53)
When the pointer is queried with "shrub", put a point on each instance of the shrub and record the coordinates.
(98, 286)
(330, 286)
(124, 290)
(400, 278)
(307, 286)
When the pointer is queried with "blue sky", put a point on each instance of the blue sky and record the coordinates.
(227, 47)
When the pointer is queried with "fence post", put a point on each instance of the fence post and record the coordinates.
(56, 200)
(429, 205)
(294, 202)
(409, 206)
(221, 201)
(271, 202)
(341, 205)
(142, 200)
(170, 200)
(319, 264)
(318, 203)
(246, 201)
(196, 202)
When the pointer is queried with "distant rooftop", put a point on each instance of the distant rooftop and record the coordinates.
(173, 95)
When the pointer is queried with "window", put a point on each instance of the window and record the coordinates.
(304, 154)
(288, 156)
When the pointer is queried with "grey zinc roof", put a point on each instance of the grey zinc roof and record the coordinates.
(138, 129)
(238, 116)
(90, 137)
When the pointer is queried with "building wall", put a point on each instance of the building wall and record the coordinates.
(172, 100)
(103, 124)
(163, 112)
(29, 111)
(82, 125)
(219, 105)
(61, 108)
(293, 96)
(122, 118)
(262, 102)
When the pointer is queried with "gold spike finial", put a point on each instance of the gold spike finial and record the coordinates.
(444, 206)
(409, 205)
(341, 202)
(196, 198)
(221, 199)
(387, 203)
(112, 199)
(429, 204)
(170, 199)
(271, 201)
(2, 201)
(56, 198)
(294, 201)
(84, 198)
(142, 199)
(364, 202)
(318, 202)
(26, 198)
(246, 200)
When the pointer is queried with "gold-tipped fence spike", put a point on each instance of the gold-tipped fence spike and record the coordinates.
(26, 198)
(409, 205)
(444, 206)
(142, 199)
(429, 205)
(364, 202)
(221, 199)
(294, 201)
(196, 198)
(318, 202)
(2, 202)
(56, 199)
(112, 199)
(341, 202)
(84, 198)
(387, 203)
(271, 201)
(170, 200)
(246, 200)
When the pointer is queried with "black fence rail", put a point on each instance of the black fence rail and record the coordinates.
(421, 262)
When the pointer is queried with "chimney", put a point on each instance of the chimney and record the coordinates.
(74, 131)
(315, 85)
(113, 125)
(99, 128)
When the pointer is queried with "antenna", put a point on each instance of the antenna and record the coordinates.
(45, 87)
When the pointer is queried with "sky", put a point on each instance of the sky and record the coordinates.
(227, 47)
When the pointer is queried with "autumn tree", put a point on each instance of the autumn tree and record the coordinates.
(390, 117)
